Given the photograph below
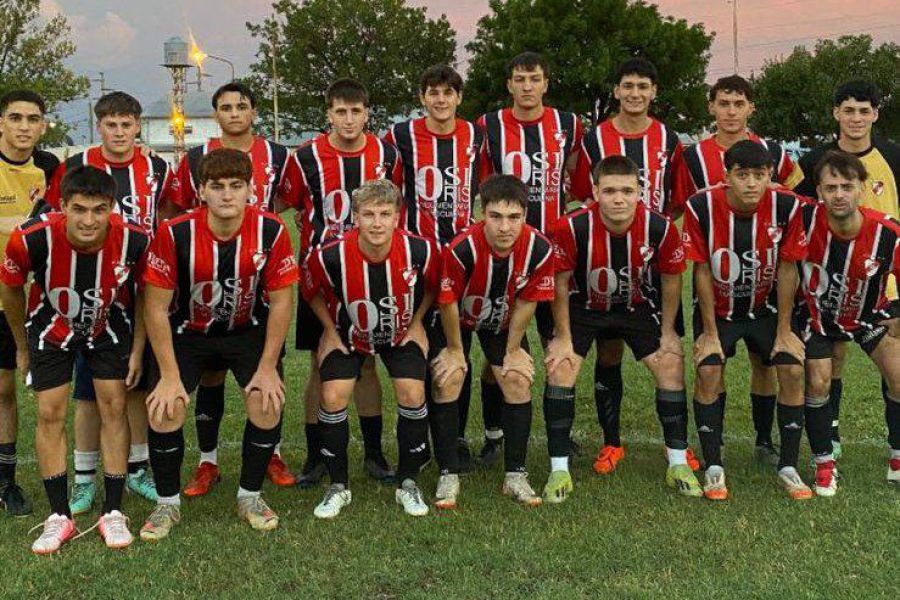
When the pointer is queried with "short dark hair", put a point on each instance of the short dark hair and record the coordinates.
(117, 104)
(234, 86)
(843, 164)
(637, 66)
(436, 75)
(859, 90)
(348, 90)
(225, 163)
(86, 180)
(528, 61)
(615, 165)
(747, 154)
(734, 84)
(22, 96)
(503, 188)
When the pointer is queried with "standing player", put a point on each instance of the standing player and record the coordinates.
(537, 144)
(321, 175)
(440, 153)
(85, 262)
(144, 195)
(218, 292)
(370, 289)
(606, 248)
(744, 239)
(235, 111)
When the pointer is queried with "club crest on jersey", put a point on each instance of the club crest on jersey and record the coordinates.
(259, 260)
(410, 276)
(878, 187)
(662, 157)
(646, 253)
(270, 173)
(871, 265)
(153, 182)
(121, 273)
(521, 281)
(774, 233)
(560, 137)
(380, 170)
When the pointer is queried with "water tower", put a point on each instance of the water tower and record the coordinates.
(176, 58)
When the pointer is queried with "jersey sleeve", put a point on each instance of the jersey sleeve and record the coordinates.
(582, 184)
(185, 195)
(281, 269)
(292, 190)
(696, 248)
(789, 175)
(794, 247)
(432, 268)
(53, 196)
(541, 285)
(162, 263)
(17, 262)
(485, 166)
(170, 189)
(313, 275)
(453, 278)
(564, 248)
(670, 259)
(676, 199)
(683, 185)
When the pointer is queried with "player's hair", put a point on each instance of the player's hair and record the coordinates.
(225, 163)
(116, 104)
(234, 86)
(22, 96)
(733, 84)
(637, 66)
(528, 61)
(503, 188)
(747, 154)
(615, 165)
(88, 181)
(436, 75)
(859, 90)
(376, 191)
(348, 90)
(843, 164)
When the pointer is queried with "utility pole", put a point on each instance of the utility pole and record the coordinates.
(734, 23)
(274, 51)
(103, 90)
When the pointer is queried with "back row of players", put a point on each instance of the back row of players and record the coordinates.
(616, 276)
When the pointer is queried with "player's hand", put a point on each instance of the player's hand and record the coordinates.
(558, 351)
(670, 343)
(135, 370)
(707, 345)
(893, 326)
(416, 333)
(789, 343)
(448, 362)
(269, 384)
(162, 401)
(330, 342)
(23, 361)
(520, 362)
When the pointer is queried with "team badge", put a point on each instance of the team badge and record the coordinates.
(121, 273)
(380, 170)
(410, 276)
(646, 253)
(521, 281)
(775, 233)
(871, 265)
(878, 187)
(662, 158)
(153, 182)
(259, 260)
(560, 137)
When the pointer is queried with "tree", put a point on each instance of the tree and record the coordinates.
(794, 95)
(584, 42)
(32, 54)
(385, 44)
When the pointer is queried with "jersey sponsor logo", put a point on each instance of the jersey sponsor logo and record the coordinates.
(11, 266)
(617, 286)
(380, 320)
(287, 264)
(336, 208)
(539, 171)
(81, 310)
(742, 271)
(835, 293)
(486, 313)
(444, 188)
(158, 264)
(223, 298)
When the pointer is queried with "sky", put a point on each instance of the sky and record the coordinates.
(124, 40)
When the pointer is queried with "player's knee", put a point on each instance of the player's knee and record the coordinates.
(166, 424)
(333, 398)
(410, 394)
(264, 415)
(818, 382)
(708, 381)
(111, 405)
(52, 414)
(670, 372)
(516, 387)
(564, 375)
(838, 356)
(450, 389)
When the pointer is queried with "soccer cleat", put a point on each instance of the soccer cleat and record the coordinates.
(447, 491)
(278, 472)
(377, 468)
(82, 497)
(893, 472)
(255, 511)
(464, 456)
(682, 478)
(516, 486)
(13, 500)
(410, 498)
(793, 484)
(692, 461)
(714, 488)
(559, 486)
(826, 479)
(766, 454)
(205, 477)
(337, 496)
(160, 522)
(491, 452)
(142, 484)
(114, 530)
(313, 472)
(58, 529)
(608, 459)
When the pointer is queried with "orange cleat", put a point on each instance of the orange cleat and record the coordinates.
(607, 459)
(205, 477)
(278, 472)
(692, 461)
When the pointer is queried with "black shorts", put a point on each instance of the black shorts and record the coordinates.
(7, 345)
(309, 327)
(640, 329)
(543, 316)
(493, 345)
(679, 323)
(819, 346)
(402, 362)
(84, 377)
(758, 335)
(51, 367)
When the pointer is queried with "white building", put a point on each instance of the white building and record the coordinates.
(199, 124)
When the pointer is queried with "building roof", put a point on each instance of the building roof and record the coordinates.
(196, 105)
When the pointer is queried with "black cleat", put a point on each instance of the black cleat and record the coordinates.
(312, 474)
(378, 469)
(13, 499)
(464, 456)
(491, 452)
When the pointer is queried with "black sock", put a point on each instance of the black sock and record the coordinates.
(412, 435)
(444, 418)
(208, 415)
(313, 444)
(334, 437)
(892, 417)
(371, 428)
(113, 486)
(516, 429)
(134, 467)
(491, 406)
(258, 446)
(817, 414)
(559, 413)
(763, 408)
(57, 487)
(708, 418)
(166, 456)
(720, 400)
(671, 408)
(790, 428)
(834, 399)
(608, 399)
(8, 463)
(465, 399)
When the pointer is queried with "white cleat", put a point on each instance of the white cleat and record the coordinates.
(447, 491)
(114, 530)
(410, 498)
(58, 529)
(337, 496)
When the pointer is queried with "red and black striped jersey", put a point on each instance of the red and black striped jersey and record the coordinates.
(486, 285)
(372, 303)
(440, 177)
(268, 160)
(536, 152)
(77, 298)
(744, 249)
(609, 269)
(319, 180)
(656, 151)
(143, 184)
(845, 280)
(220, 285)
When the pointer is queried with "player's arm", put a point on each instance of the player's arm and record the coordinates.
(162, 401)
(266, 379)
(138, 344)
(671, 300)
(416, 331)
(786, 341)
(707, 343)
(331, 339)
(13, 297)
(452, 358)
(559, 349)
(516, 358)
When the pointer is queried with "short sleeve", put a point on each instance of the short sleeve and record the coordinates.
(696, 246)
(313, 275)
(582, 183)
(541, 285)
(162, 264)
(670, 258)
(17, 262)
(794, 246)
(453, 278)
(281, 269)
(564, 248)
